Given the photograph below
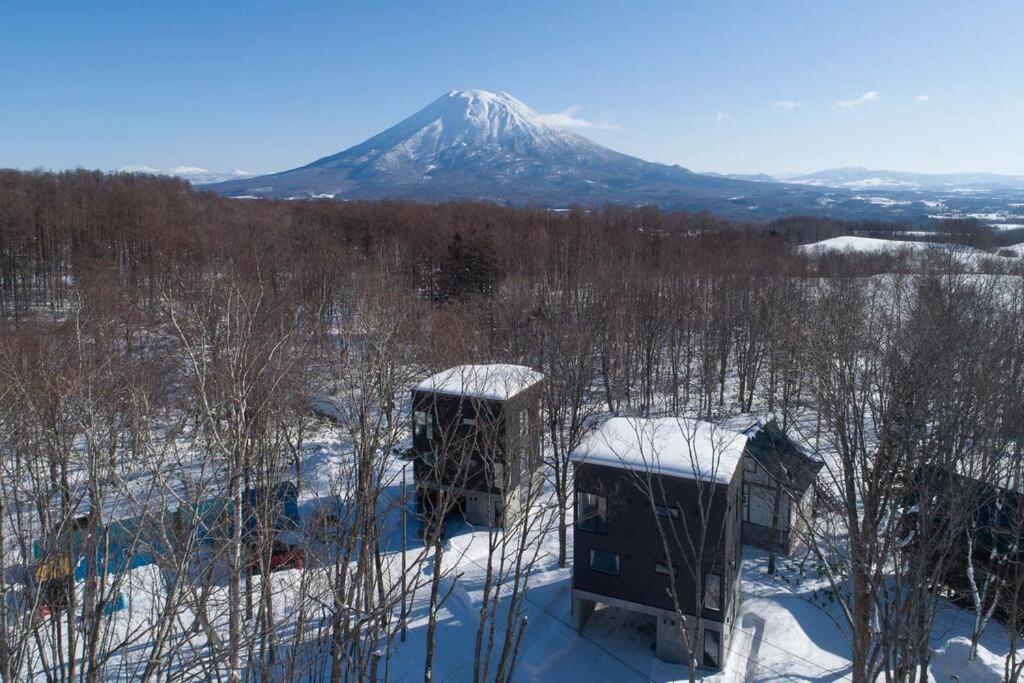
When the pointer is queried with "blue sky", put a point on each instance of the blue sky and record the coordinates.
(781, 86)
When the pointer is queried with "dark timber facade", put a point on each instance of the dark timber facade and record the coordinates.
(476, 440)
(621, 533)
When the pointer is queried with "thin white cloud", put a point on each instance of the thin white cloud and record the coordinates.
(932, 98)
(786, 105)
(722, 116)
(567, 119)
(866, 98)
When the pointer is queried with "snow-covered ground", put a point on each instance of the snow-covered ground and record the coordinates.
(789, 625)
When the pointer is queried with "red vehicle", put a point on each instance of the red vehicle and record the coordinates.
(282, 556)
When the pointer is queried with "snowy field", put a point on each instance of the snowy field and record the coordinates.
(966, 256)
(866, 245)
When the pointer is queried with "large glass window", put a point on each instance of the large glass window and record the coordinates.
(757, 506)
(712, 591)
(591, 512)
(606, 563)
(670, 511)
(712, 649)
(663, 568)
(423, 424)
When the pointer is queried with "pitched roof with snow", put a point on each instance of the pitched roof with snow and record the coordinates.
(674, 447)
(497, 382)
(787, 461)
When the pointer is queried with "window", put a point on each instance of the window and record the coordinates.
(591, 513)
(666, 511)
(712, 649)
(423, 424)
(712, 591)
(469, 421)
(603, 562)
(757, 506)
(749, 464)
(663, 568)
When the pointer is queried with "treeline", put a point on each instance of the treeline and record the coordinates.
(64, 234)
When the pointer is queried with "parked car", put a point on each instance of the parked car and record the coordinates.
(283, 555)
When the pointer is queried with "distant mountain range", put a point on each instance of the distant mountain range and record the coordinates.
(193, 174)
(857, 178)
(479, 145)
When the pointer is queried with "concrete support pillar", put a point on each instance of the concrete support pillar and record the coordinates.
(669, 645)
(582, 609)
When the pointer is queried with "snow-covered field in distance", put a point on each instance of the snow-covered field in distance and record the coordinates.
(868, 245)
(876, 245)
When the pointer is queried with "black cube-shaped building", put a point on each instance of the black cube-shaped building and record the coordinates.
(657, 514)
(476, 438)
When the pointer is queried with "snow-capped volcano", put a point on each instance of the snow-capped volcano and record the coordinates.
(475, 144)
(468, 123)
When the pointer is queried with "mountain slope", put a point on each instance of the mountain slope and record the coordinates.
(474, 144)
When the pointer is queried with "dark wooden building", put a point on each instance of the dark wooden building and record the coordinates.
(476, 439)
(969, 520)
(658, 525)
(779, 474)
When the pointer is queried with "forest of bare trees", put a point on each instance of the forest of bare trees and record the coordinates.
(161, 350)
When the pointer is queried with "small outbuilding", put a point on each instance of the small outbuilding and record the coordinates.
(778, 475)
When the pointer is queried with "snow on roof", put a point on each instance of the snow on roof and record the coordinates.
(497, 382)
(675, 447)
